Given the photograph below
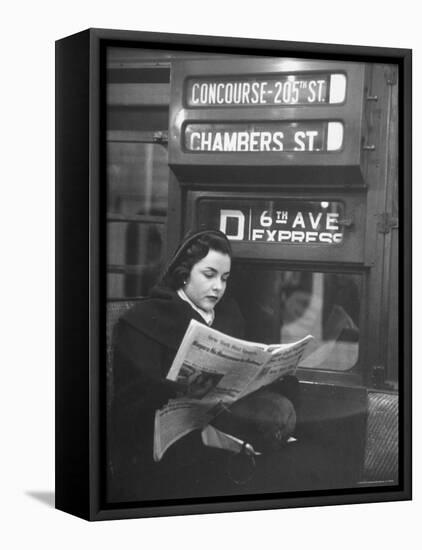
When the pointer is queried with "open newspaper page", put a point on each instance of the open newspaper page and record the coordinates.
(217, 369)
(176, 419)
(283, 360)
(222, 365)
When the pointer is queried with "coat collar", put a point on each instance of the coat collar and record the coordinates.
(164, 317)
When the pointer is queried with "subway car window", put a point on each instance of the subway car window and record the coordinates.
(283, 306)
(137, 175)
(137, 210)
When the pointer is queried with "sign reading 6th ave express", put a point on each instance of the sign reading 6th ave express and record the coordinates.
(286, 221)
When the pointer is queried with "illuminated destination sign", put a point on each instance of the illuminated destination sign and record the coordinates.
(269, 136)
(269, 90)
(284, 221)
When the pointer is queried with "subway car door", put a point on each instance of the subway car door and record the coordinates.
(296, 162)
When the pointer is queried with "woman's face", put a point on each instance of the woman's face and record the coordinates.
(207, 281)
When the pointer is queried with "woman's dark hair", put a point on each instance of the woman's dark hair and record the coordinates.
(194, 247)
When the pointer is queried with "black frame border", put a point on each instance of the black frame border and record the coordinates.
(80, 277)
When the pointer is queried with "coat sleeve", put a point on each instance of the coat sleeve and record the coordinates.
(139, 389)
(139, 369)
(140, 366)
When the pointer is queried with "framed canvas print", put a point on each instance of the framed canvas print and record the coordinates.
(233, 274)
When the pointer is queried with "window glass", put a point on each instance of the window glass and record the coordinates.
(135, 257)
(138, 94)
(137, 213)
(284, 306)
(137, 178)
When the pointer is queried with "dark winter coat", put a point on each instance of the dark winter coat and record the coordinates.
(145, 342)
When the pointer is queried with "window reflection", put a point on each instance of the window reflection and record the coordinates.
(137, 178)
(284, 306)
(137, 213)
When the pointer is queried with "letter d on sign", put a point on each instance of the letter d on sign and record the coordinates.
(233, 214)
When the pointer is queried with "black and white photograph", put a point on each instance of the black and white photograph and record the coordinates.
(256, 196)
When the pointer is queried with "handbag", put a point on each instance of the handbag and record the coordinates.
(264, 419)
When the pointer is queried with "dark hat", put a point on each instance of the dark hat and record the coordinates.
(187, 241)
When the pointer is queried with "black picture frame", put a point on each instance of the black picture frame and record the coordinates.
(80, 278)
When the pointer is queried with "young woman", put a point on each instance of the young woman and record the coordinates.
(145, 342)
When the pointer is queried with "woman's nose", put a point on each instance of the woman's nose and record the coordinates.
(218, 284)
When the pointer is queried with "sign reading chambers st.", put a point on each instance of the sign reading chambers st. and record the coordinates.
(268, 136)
(286, 221)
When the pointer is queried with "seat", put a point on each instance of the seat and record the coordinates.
(381, 452)
(115, 310)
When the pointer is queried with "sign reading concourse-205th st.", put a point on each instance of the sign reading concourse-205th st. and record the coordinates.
(266, 90)
(282, 221)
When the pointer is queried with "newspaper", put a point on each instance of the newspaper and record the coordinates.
(217, 370)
